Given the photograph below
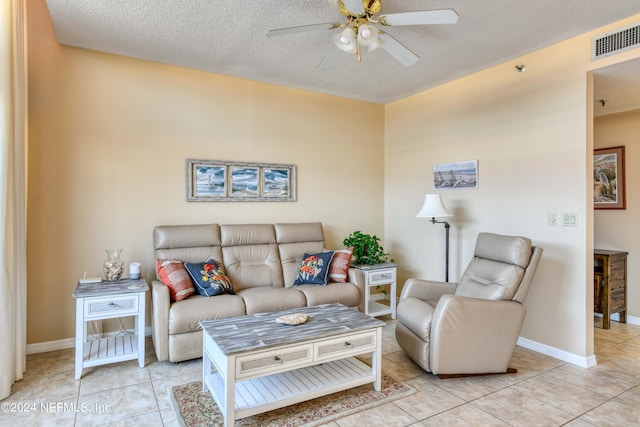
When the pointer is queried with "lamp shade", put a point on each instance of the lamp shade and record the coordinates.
(432, 207)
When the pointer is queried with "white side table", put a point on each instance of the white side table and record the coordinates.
(107, 300)
(379, 275)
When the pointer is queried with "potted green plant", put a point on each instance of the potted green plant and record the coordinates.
(366, 249)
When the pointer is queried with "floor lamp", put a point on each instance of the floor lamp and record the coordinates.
(433, 208)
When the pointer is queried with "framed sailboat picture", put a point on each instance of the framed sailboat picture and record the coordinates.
(452, 176)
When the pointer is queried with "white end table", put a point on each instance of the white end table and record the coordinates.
(379, 275)
(107, 300)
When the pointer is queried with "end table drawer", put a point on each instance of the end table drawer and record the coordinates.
(343, 346)
(265, 362)
(114, 306)
(382, 276)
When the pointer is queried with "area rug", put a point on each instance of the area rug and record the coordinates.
(193, 408)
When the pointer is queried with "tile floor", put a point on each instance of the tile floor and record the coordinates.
(544, 392)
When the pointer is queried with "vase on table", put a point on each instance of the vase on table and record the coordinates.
(114, 266)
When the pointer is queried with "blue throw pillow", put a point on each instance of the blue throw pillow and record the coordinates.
(314, 269)
(209, 278)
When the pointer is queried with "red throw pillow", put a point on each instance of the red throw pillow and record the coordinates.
(174, 275)
(339, 267)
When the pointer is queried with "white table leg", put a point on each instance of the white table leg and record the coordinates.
(376, 361)
(367, 292)
(393, 300)
(81, 336)
(140, 328)
(229, 394)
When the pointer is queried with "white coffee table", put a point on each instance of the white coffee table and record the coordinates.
(251, 364)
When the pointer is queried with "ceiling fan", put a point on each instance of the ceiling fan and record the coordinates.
(361, 29)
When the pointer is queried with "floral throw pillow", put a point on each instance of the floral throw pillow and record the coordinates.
(314, 269)
(209, 278)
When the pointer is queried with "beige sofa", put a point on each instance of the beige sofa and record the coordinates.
(261, 260)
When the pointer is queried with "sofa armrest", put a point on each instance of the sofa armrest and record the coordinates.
(160, 303)
(427, 290)
(472, 335)
(355, 277)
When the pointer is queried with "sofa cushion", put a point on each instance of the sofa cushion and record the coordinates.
(332, 293)
(291, 254)
(268, 299)
(253, 266)
(186, 315)
(294, 240)
(314, 268)
(188, 243)
(173, 274)
(299, 232)
(339, 267)
(209, 278)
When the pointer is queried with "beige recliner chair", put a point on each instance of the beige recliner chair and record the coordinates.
(470, 327)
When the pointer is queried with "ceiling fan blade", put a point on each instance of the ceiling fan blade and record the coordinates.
(356, 7)
(398, 50)
(423, 17)
(303, 29)
(330, 60)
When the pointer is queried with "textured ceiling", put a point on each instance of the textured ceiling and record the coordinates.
(228, 37)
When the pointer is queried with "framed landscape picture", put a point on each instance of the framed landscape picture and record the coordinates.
(609, 178)
(451, 176)
(244, 181)
(222, 181)
(276, 182)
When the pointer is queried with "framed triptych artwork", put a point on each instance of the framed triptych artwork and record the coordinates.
(222, 181)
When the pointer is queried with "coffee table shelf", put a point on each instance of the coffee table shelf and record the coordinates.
(275, 391)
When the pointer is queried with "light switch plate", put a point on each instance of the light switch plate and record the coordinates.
(552, 219)
(569, 219)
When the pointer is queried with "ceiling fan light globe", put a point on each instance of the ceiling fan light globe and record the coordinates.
(367, 34)
(346, 40)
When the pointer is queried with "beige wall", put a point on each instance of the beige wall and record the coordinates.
(530, 133)
(620, 229)
(108, 141)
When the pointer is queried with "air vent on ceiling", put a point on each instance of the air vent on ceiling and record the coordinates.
(615, 42)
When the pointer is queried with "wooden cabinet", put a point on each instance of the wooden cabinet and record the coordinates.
(610, 284)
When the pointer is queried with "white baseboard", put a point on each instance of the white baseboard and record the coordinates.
(43, 347)
(565, 356)
(584, 362)
(632, 320)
